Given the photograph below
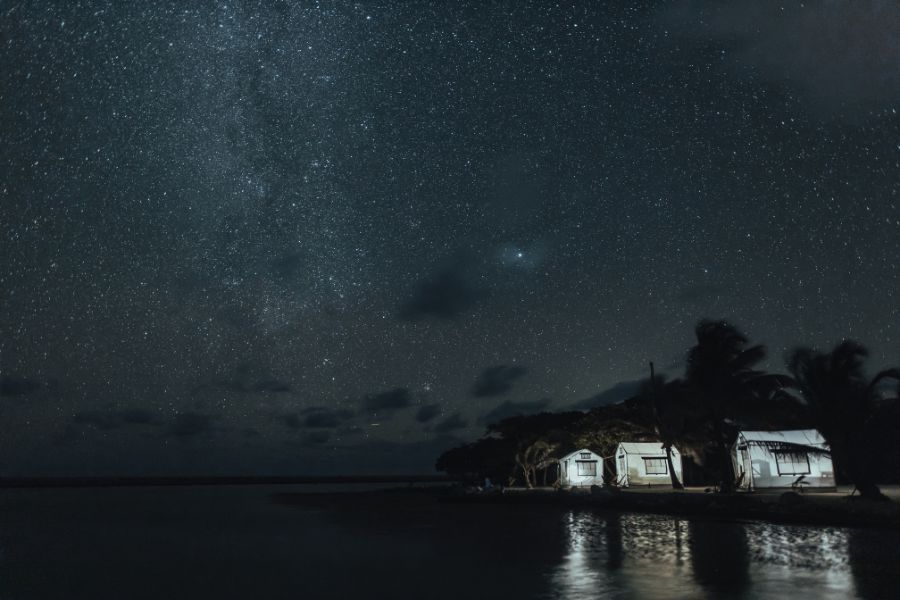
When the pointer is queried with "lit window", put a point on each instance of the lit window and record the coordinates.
(655, 466)
(587, 467)
(792, 463)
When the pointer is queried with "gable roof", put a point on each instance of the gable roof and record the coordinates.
(573, 454)
(794, 437)
(650, 448)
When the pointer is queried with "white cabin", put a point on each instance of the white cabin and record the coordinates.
(581, 468)
(644, 464)
(779, 459)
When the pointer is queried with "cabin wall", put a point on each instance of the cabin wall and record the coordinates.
(637, 475)
(570, 476)
(765, 473)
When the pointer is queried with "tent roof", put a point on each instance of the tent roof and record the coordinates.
(800, 437)
(652, 448)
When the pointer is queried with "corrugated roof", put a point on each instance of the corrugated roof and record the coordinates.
(653, 448)
(804, 437)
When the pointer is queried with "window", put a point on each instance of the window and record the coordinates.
(792, 463)
(587, 467)
(586, 455)
(656, 466)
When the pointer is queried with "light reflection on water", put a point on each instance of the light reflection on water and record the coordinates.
(655, 557)
(233, 542)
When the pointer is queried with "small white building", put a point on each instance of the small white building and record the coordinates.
(779, 459)
(581, 468)
(645, 464)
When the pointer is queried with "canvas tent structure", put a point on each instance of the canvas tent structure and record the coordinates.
(645, 464)
(782, 459)
(581, 468)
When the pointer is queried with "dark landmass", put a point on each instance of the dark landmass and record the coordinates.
(54, 482)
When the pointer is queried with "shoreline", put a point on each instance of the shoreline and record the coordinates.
(814, 509)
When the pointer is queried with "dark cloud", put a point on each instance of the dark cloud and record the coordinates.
(514, 409)
(317, 417)
(191, 424)
(427, 413)
(291, 420)
(316, 438)
(451, 423)
(388, 401)
(450, 292)
(497, 380)
(114, 419)
(617, 393)
(10, 385)
(840, 54)
(321, 417)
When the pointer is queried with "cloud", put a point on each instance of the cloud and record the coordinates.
(427, 413)
(326, 418)
(388, 401)
(514, 409)
(448, 293)
(317, 417)
(497, 380)
(841, 54)
(617, 393)
(190, 424)
(107, 420)
(10, 385)
(316, 438)
(291, 420)
(451, 423)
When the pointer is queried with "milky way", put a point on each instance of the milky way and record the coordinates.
(306, 236)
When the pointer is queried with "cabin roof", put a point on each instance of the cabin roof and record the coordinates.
(799, 437)
(650, 448)
(573, 454)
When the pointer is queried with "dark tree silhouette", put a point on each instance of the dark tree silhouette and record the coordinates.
(487, 457)
(539, 439)
(844, 405)
(668, 417)
(723, 381)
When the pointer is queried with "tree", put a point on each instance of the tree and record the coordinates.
(535, 456)
(845, 405)
(486, 457)
(663, 400)
(721, 376)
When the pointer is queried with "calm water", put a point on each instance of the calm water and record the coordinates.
(234, 542)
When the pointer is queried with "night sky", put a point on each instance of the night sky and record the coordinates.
(314, 237)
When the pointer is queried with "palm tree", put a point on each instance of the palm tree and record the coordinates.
(669, 418)
(843, 404)
(536, 456)
(722, 377)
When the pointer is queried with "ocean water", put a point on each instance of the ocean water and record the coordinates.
(237, 542)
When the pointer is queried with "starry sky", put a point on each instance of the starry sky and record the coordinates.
(313, 237)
